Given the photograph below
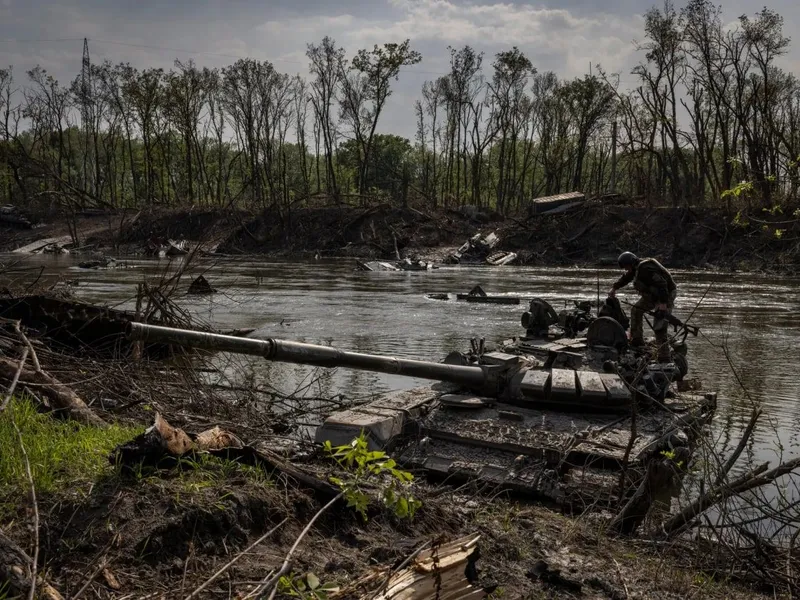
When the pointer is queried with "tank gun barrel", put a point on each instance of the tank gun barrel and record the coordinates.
(308, 354)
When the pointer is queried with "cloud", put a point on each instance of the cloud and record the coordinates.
(569, 41)
(564, 36)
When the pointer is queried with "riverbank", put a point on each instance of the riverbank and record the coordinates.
(591, 235)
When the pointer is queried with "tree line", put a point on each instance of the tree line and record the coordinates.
(710, 109)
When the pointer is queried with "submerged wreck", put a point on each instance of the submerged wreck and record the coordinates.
(406, 264)
(477, 295)
(481, 249)
(548, 414)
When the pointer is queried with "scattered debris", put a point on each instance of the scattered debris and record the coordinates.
(15, 572)
(54, 248)
(201, 286)
(479, 249)
(39, 245)
(376, 265)
(63, 399)
(501, 258)
(10, 214)
(104, 262)
(476, 294)
(165, 247)
(406, 264)
(475, 249)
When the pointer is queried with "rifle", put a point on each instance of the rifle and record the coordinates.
(672, 320)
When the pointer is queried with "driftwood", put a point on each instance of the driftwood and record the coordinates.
(63, 399)
(15, 570)
(163, 445)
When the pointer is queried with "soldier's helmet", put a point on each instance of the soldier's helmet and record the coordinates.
(627, 259)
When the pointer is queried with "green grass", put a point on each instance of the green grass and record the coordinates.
(63, 455)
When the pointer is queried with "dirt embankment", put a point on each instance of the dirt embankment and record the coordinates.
(592, 235)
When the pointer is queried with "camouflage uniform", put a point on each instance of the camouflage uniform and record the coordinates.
(655, 286)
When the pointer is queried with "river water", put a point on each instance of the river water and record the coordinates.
(328, 302)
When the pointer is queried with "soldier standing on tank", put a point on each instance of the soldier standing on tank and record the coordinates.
(658, 292)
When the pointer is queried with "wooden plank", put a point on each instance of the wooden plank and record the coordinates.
(591, 386)
(562, 384)
(617, 390)
(534, 384)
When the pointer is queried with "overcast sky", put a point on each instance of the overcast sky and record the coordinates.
(564, 36)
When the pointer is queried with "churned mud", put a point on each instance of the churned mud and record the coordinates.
(590, 235)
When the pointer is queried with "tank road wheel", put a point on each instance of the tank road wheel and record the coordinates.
(605, 331)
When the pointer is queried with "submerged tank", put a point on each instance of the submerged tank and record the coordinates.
(548, 414)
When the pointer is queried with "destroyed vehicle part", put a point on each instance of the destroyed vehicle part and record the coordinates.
(658, 378)
(539, 316)
(605, 331)
(681, 363)
(501, 258)
(574, 321)
(474, 298)
(613, 308)
(201, 286)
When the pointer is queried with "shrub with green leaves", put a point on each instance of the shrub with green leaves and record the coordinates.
(306, 586)
(364, 467)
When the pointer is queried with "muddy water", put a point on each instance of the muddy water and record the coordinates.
(327, 302)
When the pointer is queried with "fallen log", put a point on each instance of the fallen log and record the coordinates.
(62, 398)
(16, 573)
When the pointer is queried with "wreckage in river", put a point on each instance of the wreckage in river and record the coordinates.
(548, 414)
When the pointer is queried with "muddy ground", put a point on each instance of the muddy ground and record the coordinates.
(590, 236)
(162, 534)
